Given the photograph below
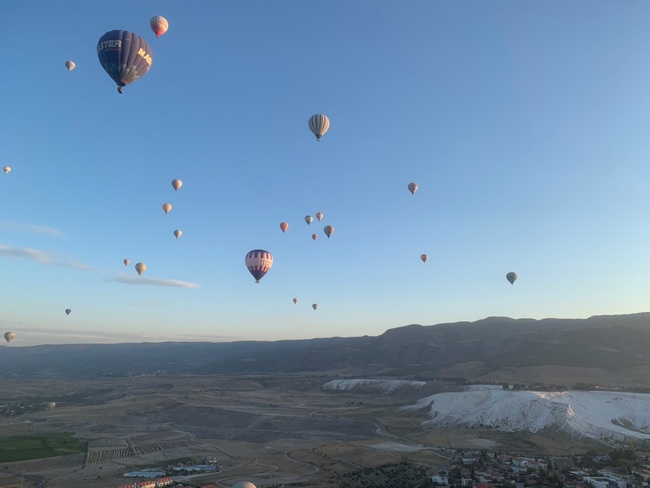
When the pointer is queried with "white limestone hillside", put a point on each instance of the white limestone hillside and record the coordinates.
(379, 386)
(594, 414)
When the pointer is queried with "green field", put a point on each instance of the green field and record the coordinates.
(37, 447)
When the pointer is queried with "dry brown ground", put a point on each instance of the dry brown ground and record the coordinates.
(268, 430)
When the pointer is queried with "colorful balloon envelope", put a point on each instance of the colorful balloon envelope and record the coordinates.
(314, 236)
(329, 230)
(309, 219)
(167, 207)
(176, 184)
(126, 262)
(140, 268)
(258, 262)
(70, 65)
(413, 187)
(511, 277)
(284, 226)
(7, 169)
(424, 258)
(9, 336)
(178, 233)
(125, 56)
(319, 216)
(319, 124)
(159, 25)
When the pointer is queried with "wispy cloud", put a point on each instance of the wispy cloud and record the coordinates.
(33, 228)
(139, 280)
(53, 259)
(43, 257)
(29, 336)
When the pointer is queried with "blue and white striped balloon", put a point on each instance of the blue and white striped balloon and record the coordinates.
(319, 124)
(259, 262)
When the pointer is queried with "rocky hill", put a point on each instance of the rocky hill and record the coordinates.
(602, 349)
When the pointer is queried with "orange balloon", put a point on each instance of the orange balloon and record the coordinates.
(167, 207)
(284, 226)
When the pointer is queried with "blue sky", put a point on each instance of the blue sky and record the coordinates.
(524, 123)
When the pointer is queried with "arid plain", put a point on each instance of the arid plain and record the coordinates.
(269, 429)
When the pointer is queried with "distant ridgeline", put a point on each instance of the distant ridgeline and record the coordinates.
(604, 350)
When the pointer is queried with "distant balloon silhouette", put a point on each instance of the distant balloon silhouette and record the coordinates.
(126, 262)
(9, 336)
(329, 230)
(167, 207)
(125, 56)
(511, 277)
(67, 311)
(284, 226)
(424, 258)
(413, 187)
(309, 219)
(295, 300)
(319, 216)
(319, 124)
(176, 184)
(7, 169)
(258, 262)
(70, 65)
(159, 25)
(140, 268)
(314, 236)
(315, 306)
(178, 233)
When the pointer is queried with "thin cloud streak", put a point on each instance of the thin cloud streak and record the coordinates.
(44, 257)
(32, 228)
(53, 259)
(30, 336)
(139, 280)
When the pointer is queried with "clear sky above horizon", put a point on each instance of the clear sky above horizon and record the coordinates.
(525, 125)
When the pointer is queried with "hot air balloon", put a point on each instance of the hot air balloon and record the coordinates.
(140, 268)
(10, 336)
(7, 169)
(167, 207)
(67, 311)
(413, 187)
(319, 216)
(424, 258)
(244, 484)
(178, 233)
(319, 124)
(329, 230)
(309, 219)
(126, 262)
(511, 277)
(295, 300)
(284, 226)
(70, 65)
(159, 25)
(315, 306)
(259, 262)
(125, 56)
(177, 184)
(50, 405)
(314, 236)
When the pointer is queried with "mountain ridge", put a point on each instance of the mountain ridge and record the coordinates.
(613, 344)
